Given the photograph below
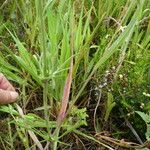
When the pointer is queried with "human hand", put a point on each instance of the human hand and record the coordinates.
(7, 91)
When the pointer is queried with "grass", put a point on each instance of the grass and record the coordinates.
(77, 66)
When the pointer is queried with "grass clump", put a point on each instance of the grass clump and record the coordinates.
(81, 70)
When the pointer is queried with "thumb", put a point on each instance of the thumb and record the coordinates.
(7, 96)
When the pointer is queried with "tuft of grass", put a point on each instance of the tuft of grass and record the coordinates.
(64, 49)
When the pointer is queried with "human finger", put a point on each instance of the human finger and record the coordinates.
(7, 97)
(5, 84)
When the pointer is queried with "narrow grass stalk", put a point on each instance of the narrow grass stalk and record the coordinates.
(23, 137)
(45, 71)
(10, 135)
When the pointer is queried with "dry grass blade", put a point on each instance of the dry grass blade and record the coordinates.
(122, 143)
(35, 139)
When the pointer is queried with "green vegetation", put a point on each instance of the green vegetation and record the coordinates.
(82, 71)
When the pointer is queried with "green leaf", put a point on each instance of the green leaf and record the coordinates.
(146, 118)
(109, 106)
(9, 109)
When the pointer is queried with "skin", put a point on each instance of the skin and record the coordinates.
(7, 91)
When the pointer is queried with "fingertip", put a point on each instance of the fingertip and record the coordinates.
(14, 96)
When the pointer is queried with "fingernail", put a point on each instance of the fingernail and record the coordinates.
(14, 95)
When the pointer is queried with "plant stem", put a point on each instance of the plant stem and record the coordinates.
(45, 68)
(56, 139)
